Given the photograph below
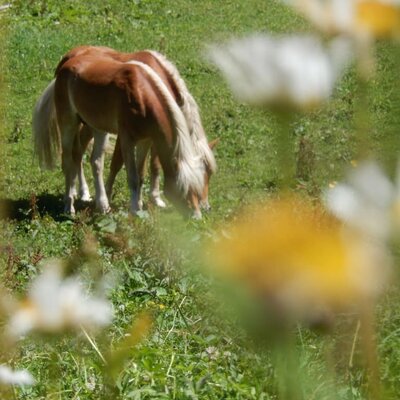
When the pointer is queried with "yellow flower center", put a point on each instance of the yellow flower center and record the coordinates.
(380, 19)
(294, 251)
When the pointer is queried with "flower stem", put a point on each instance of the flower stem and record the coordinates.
(371, 353)
(391, 135)
(285, 150)
(365, 70)
(287, 366)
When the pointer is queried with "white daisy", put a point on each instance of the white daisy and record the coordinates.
(11, 377)
(295, 71)
(54, 304)
(367, 201)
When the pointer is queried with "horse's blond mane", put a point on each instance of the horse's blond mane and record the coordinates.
(191, 171)
(190, 111)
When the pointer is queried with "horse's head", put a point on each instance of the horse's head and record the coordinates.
(192, 201)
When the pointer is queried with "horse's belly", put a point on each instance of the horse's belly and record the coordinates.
(97, 107)
(100, 120)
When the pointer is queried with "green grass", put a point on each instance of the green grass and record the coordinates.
(191, 352)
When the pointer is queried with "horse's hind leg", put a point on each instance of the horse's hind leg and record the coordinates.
(85, 136)
(97, 162)
(155, 172)
(70, 165)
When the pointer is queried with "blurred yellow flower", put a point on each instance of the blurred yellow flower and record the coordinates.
(297, 258)
(381, 19)
(374, 18)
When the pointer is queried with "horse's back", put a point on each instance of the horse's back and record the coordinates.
(145, 56)
(106, 93)
(101, 72)
(100, 51)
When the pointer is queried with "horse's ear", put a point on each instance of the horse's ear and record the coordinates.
(213, 143)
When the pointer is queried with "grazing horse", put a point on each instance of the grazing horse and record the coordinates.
(171, 78)
(131, 100)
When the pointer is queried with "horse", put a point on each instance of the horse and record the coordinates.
(131, 100)
(170, 76)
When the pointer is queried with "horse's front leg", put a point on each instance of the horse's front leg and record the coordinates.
(142, 150)
(97, 162)
(127, 146)
(116, 164)
(155, 174)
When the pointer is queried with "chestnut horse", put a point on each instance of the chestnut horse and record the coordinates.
(171, 78)
(131, 100)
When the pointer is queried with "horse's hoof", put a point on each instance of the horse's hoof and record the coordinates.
(104, 210)
(103, 207)
(68, 210)
(86, 197)
(159, 202)
(196, 215)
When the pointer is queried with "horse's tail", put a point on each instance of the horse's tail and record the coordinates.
(191, 171)
(190, 110)
(46, 135)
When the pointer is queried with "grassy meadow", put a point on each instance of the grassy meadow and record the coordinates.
(190, 352)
